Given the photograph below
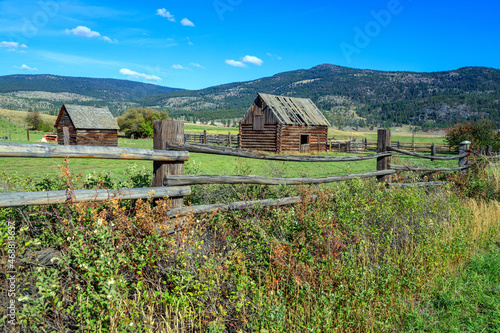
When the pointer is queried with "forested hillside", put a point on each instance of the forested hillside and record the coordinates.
(347, 96)
(429, 99)
(46, 93)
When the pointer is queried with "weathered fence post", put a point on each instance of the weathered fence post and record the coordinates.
(462, 149)
(433, 151)
(167, 130)
(205, 137)
(383, 140)
(28, 134)
(66, 135)
(229, 139)
(488, 151)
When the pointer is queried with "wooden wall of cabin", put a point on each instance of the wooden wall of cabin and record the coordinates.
(66, 121)
(289, 138)
(97, 137)
(72, 136)
(264, 140)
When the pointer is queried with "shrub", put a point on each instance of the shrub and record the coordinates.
(480, 133)
(139, 121)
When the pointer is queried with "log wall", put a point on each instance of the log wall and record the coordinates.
(97, 137)
(289, 138)
(264, 140)
(66, 121)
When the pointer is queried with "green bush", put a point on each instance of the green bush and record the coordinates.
(139, 121)
(480, 133)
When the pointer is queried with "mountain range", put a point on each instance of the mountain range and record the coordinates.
(348, 96)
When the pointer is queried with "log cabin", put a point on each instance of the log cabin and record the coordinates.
(279, 124)
(86, 125)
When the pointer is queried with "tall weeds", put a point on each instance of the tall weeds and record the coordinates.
(357, 258)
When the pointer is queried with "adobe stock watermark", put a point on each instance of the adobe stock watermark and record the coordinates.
(223, 6)
(372, 29)
(31, 25)
(11, 280)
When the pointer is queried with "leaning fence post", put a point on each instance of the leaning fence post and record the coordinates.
(167, 130)
(383, 140)
(462, 149)
(66, 135)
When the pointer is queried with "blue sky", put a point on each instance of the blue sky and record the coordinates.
(195, 44)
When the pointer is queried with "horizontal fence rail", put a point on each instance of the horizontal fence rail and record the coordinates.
(210, 149)
(62, 151)
(225, 179)
(414, 168)
(201, 209)
(172, 151)
(431, 157)
(421, 184)
(14, 199)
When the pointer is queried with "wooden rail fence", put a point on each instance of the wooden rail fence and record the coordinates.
(171, 151)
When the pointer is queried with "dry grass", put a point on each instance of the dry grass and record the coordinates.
(486, 217)
(19, 117)
(400, 133)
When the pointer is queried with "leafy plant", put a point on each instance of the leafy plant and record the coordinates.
(139, 121)
(480, 133)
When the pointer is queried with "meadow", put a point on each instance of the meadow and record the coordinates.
(359, 258)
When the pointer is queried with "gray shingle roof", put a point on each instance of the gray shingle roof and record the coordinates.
(295, 111)
(90, 117)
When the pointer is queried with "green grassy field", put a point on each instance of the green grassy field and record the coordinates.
(198, 163)
(402, 134)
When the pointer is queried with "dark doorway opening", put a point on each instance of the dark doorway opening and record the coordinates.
(304, 139)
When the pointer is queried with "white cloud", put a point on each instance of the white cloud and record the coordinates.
(197, 65)
(83, 31)
(253, 60)
(235, 63)
(12, 46)
(9, 44)
(28, 68)
(109, 40)
(136, 75)
(164, 13)
(246, 59)
(177, 66)
(187, 23)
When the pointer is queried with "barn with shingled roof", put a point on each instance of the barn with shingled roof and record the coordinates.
(87, 126)
(279, 124)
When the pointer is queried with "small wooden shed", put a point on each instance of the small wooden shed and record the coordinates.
(279, 124)
(87, 125)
